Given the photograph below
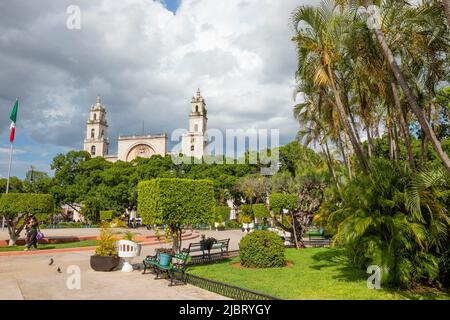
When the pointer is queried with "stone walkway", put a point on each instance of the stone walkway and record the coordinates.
(31, 277)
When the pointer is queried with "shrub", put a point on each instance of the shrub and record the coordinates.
(231, 224)
(262, 249)
(106, 215)
(118, 223)
(396, 221)
(222, 211)
(260, 211)
(279, 201)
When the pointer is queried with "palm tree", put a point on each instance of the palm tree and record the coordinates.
(446, 4)
(318, 52)
(401, 80)
(379, 227)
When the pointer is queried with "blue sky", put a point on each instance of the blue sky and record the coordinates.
(171, 5)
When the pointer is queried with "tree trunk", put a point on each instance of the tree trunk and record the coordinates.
(326, 150)
(418, 112)
(294, 232)
(348, 128)
(348, 162)
(403, 126)
(446, 4)
(12, 234)
(364, 106)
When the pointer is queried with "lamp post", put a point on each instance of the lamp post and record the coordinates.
(31, 178)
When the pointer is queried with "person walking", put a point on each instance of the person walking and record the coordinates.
(32, 229)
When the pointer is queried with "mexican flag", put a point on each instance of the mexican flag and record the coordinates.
(13, 118)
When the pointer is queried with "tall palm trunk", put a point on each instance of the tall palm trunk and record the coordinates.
(348, 128)
(348, 162)
(326, 150)
(403, 126)
(446, 4)
(418, 112)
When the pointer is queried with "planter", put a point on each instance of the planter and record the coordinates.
(164, 259)
(128, 250)
(105, 264)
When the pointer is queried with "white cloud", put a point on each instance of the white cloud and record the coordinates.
(147, 63)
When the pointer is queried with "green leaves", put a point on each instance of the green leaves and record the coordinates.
(396, 221)
(262, 249)
(283, 201)
(14, 204)
(176, 201)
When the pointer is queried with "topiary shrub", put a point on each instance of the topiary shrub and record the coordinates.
(262, 249)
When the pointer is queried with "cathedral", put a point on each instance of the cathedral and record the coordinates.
(193, 144)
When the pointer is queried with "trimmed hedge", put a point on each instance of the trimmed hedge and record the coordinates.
(224, 212)
(279, 201)
(262, 249)
(13, 204)
(106, 215)
(232, 225)
(260, 211)
(176, 201)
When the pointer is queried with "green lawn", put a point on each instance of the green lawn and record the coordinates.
(317, 273)
(80, 244)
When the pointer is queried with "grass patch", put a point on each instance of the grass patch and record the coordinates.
(316, 273)
(79, 244)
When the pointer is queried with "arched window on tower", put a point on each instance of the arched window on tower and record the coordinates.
(103, 133)
(196, 108)
(92, 133)
(196, 128)
(192, 148)
(93, 149)
(95, 116)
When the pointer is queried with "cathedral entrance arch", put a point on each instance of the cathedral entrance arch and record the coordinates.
(140, 150)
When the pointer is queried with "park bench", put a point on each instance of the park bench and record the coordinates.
(175, 270)
(317, 238)
(221, 245)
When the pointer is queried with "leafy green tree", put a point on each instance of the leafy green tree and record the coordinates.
(17, 207)
(176, 202)
(15, 185)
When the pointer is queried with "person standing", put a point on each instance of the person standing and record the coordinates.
(32, 230)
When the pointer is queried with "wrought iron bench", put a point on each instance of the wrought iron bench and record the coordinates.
(318, 239)
(176, 269)
(221, 245)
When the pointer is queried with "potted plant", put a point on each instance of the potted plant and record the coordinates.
(219, 224)
(245, 220)
(106, 256)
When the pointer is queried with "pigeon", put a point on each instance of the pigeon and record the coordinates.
(51, 261)
(59, 270)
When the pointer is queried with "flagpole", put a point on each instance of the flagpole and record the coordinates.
(13, 118)
(9, 167)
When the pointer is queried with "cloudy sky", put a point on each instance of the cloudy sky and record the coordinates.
(146, 59)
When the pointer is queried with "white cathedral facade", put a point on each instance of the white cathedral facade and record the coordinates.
(193, 144)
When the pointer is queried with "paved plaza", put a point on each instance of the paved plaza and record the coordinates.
(31, 276)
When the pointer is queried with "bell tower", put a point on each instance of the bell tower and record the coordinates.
(96, 141)
(194, 142)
